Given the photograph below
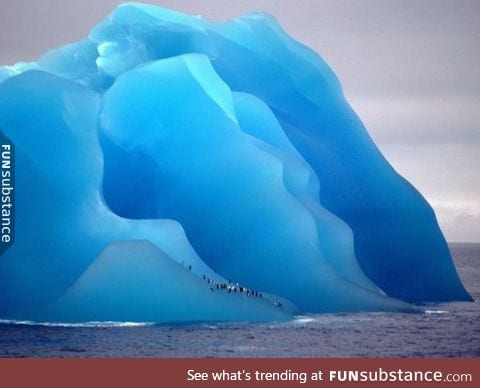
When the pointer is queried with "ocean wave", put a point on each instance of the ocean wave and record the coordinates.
(436, 312)
(76, 324)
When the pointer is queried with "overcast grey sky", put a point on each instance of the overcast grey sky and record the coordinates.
(410, 69)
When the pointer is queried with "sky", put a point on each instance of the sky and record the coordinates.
(409, 68)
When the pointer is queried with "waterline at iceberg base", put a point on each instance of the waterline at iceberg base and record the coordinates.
(171, 169)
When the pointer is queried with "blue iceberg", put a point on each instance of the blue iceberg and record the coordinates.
(171, 169)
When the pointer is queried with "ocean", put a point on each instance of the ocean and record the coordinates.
(444, 330)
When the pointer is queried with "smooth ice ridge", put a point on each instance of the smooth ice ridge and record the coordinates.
(170, 169)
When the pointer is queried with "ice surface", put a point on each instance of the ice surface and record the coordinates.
(63, 223)
(230, 151)
(235, 197)
(134, 281)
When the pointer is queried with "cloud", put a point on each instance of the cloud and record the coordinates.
(459, 220)
(411, 119)
(447, 175)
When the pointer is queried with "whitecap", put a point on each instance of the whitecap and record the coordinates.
(76, 324)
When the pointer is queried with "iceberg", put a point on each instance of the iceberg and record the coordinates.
(172, 169)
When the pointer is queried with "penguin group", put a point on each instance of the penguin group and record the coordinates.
(232, 288)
